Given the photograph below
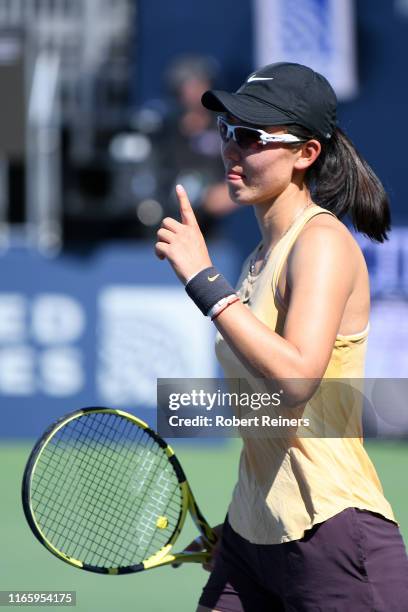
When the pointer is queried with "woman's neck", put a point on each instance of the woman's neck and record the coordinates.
(277, 216)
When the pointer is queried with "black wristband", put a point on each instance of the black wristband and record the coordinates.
(207, 288)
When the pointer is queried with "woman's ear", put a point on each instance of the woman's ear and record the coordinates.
(308, 153)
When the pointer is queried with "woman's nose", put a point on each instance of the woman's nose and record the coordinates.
(230, 150)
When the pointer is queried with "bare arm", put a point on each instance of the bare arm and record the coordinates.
(321, 280)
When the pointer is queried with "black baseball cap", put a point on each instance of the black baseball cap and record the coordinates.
(281, 94)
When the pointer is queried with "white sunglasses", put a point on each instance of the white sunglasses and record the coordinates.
(248, 137)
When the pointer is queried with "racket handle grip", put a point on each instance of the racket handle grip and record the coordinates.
(193, 557)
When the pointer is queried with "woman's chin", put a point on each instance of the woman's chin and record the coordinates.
(239, 195)
(241, 200)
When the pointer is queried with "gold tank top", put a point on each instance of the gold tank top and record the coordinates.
(287, 485)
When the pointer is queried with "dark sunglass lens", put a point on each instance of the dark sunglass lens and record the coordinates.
(223, 130)
(246, 138)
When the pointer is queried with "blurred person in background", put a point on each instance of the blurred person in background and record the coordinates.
(188, 142)
(308, 527)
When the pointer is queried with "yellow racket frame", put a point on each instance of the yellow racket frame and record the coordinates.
(162, 557)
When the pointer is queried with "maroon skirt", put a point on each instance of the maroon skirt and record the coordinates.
(354, 562)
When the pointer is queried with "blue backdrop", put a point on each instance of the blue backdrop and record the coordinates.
(375, 119)
(96, 329)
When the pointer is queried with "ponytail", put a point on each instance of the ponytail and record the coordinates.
(341, 181)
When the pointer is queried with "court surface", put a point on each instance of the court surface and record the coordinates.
(26, 565)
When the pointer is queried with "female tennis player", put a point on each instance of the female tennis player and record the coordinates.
(308, 527)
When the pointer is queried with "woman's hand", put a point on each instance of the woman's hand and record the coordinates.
(197, 545)
(183, 244)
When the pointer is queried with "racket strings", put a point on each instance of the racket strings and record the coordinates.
(150, 444)
(98, 489)
(57, 530)
(84, 481)
(99, 513)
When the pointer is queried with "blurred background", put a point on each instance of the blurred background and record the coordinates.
(100, 118)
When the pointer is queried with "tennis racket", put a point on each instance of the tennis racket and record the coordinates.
(103, 492)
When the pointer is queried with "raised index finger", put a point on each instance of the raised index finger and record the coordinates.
(186, 211)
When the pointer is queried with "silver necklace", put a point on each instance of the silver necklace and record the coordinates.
(250, 279)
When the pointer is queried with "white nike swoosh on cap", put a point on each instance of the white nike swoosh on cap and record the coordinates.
(255, 78)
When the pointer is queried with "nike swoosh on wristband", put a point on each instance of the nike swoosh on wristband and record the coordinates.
(255, 78)
(212, 278)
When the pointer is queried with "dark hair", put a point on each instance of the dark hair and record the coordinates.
(341, 181)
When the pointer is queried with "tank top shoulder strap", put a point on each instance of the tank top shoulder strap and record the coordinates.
(289, 240)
